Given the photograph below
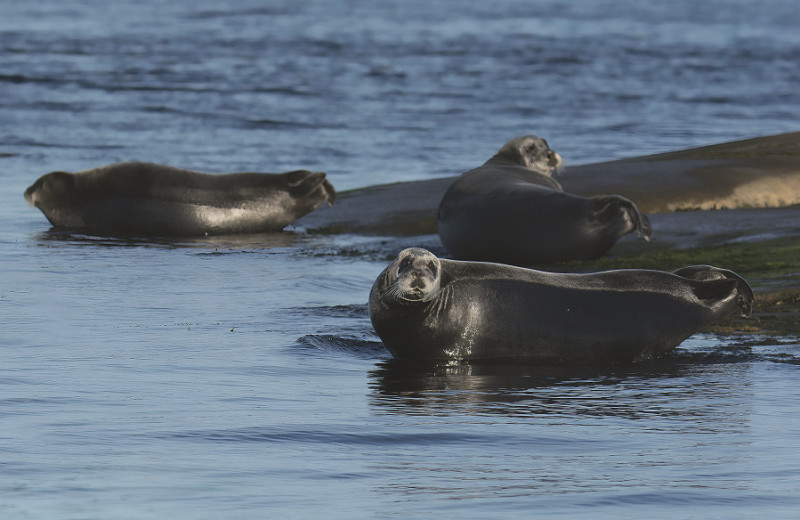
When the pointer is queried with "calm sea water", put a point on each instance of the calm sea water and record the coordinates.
(240, 377)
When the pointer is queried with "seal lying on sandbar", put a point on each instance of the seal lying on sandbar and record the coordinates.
(158, 200)
(511, 210)
(426, 308)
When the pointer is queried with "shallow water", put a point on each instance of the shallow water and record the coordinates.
(240, 377)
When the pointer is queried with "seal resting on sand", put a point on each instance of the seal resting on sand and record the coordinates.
(426, 308)
(511, 210)
(157, 200)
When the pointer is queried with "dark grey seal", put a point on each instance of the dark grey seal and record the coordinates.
(158, 200)
(426, 308)
(511, 210)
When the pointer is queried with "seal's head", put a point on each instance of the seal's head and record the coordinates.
(531, 152)
(49, 189)
(415, 276)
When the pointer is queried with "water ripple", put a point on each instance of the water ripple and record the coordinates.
(362, 348)
(342, 435)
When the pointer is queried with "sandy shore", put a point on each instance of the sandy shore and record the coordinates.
(754, 186)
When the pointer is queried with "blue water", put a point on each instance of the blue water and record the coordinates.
(240, 377)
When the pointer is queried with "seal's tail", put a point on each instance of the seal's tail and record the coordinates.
(718, 283)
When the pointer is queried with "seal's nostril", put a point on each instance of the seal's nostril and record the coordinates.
(418, 283)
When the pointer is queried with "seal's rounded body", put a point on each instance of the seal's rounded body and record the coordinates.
(425, 308)
(158, 200)
(511, 210)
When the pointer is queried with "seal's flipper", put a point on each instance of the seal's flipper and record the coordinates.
(609, 207)
(714, 280)
(329, 191)
(714, 289)
(303, 183)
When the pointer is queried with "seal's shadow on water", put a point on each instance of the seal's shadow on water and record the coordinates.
(272, 240)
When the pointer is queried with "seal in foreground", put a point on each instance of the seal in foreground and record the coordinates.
(511, 210)
(426, 308)
(157, 200)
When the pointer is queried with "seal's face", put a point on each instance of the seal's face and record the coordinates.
(49, 188)
(415, 276)
(532, 152)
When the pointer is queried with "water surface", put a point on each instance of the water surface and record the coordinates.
(240, 377)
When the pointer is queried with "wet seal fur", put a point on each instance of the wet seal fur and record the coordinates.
(158, 200)
(429, 309)
(511, 210)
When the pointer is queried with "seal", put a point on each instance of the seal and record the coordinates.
(511, 210)
(426, 308)
(157, 200)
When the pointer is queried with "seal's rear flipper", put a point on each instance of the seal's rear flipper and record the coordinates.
(717, 283)
(608, 207)
(329, 191)
(304, 182)
(714, 289)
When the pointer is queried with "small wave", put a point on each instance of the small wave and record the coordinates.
(363, 348)
(210, 14)
(21, 78)
(275, 123)
(163, 109)
(33, 143)
(732, 354)
(27, 401)
(383, 249)
(172, 87)
(337, 311)
(333, 435)
(742, 350)
(288, 90)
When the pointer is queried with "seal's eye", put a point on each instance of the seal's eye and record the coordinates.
(432, 267)
(405, 263)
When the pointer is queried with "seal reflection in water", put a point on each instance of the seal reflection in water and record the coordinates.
(511, 210)
(426, 308)
(158, 200)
